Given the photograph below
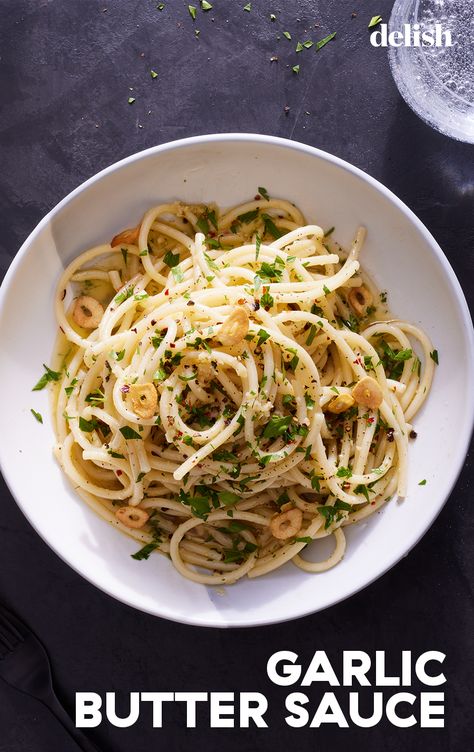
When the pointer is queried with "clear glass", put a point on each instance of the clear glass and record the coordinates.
(437, 82)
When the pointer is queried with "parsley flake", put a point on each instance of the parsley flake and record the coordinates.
(144, 553)
(324, 41)
(171, 259)
(129, 433)
(374, 21)
(46, 378)
(276, 426)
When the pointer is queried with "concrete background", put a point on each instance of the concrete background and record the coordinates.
(67, 69)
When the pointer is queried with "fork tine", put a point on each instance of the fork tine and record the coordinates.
(6, 621)
(7, 641)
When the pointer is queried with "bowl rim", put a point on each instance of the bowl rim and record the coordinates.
(468, 424)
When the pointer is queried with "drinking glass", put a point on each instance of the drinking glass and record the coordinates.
(437, 82)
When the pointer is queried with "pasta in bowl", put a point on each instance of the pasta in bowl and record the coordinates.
(230, 387)
(398, 254)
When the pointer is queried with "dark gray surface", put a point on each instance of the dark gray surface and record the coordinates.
(65, 70)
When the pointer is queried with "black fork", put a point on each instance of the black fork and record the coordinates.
(24, 665)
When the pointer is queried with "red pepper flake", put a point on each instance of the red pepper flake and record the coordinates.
(167, 292)
(172, 344)
(118, 472)
(370, 420)
(257, 197)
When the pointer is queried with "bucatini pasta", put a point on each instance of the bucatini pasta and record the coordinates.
(230, 387)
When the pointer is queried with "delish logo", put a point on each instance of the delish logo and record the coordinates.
(411, 36)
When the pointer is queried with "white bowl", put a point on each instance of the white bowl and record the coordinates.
(401, 256)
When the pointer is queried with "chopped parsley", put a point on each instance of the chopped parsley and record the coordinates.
(287, 35)
(308, 400)
(171, 259)
(276, 426)
(311, 335)
(374, 21)
(95, 398)
(248, 7)
(324, 41)
(211, 264)
(69, 389)
(223, 455)
(344, 472)
(205, 5)
(422, 482)
(87, 425)
(270, 227)
(264, 193)
(334, 513)
(144, 553)
(258, 243)
(262, 336)
(434, 356)
(270, 271)
(200, 504)
(192, 11)
(153, 74)
(393, 360)
(45, 379)
(129, 433)
(296, 69)
(116, 455)
(38, 416)
(227, 498)
(361, 489)
(266, 300)
(248, 217)
(124, 295)
(315, 484)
